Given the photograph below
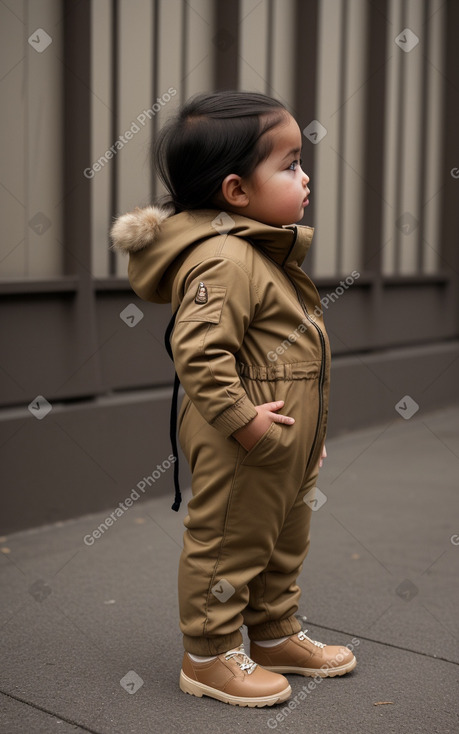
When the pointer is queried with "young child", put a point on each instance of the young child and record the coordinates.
(248, 342)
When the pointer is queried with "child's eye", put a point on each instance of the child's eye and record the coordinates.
(294, 164)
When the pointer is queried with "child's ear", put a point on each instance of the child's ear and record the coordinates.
(234, 192)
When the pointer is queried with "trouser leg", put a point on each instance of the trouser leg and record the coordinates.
(208, 628)
(274, 593)
(239, 505)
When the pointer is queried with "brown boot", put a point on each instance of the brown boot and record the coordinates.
(233, 678)
(303, 656)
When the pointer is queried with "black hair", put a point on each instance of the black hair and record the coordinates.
(213, 135)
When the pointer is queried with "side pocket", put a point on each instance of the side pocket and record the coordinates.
(264, 452)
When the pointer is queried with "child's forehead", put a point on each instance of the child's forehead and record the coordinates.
(286, 137)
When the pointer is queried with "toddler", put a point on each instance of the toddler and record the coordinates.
(252, 354)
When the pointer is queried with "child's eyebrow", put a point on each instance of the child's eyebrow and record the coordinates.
(294, 151)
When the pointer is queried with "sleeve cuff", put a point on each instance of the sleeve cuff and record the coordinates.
(234, 417)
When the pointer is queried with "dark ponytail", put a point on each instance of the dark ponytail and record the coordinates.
(212, 136)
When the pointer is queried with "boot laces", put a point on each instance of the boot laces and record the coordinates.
(303, 636)
(242, 659)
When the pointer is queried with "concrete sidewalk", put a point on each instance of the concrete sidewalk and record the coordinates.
(90, 638)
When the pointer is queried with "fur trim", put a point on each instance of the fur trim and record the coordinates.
(137, 229)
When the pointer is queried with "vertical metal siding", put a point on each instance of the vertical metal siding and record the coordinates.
(140, 50)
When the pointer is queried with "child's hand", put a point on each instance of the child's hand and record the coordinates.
(248, 435)
(323, 456)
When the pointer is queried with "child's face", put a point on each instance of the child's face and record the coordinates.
(278, 188)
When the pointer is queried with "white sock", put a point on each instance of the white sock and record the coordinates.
(199, 659)
(270, 643)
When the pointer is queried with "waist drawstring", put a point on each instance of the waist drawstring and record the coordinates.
(173, 417)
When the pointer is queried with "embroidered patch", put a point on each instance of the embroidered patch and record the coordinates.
(202, 295)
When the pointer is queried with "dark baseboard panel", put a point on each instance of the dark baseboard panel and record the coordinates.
(366, 388)
(88, 456)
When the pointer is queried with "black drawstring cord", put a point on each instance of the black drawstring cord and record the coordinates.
(173, 417)
(173, 435)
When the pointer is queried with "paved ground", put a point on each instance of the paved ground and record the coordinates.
(382, 574)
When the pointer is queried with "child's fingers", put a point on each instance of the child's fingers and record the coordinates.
(276, 405)
(277, 417)
(286, 419)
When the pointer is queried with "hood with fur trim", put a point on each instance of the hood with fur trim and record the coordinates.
(158, 242)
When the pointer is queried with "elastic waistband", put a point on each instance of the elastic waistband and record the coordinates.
(280, 371)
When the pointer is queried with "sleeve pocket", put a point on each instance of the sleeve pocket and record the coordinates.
(209, 312)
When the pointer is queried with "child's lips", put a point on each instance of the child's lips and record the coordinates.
(306, 200)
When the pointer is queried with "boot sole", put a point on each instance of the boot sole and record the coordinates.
(200, 689)
(313, 672)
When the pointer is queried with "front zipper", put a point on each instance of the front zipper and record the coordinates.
(321, 337)
(322, 363)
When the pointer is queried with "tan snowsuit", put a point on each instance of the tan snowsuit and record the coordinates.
(248, 331)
